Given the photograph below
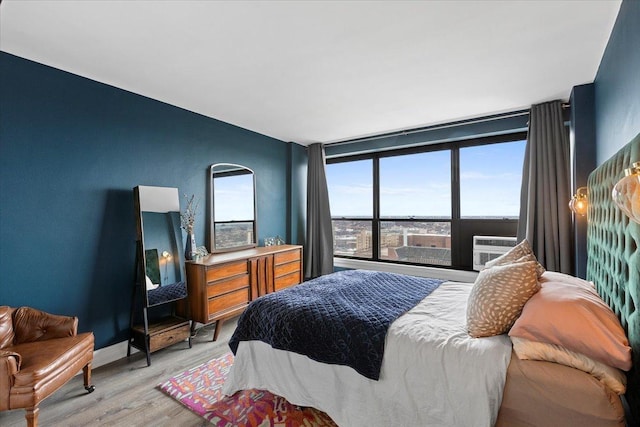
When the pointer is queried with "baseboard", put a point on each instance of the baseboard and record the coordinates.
(414, 270)
(105, 355)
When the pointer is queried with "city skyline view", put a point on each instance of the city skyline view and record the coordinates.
(419, 187)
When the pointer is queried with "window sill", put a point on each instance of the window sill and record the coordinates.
(414, 270)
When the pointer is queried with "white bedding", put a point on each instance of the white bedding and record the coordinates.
(433, 373)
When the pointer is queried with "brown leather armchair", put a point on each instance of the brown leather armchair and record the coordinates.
(39, 353)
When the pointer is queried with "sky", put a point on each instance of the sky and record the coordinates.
(233, 197)
(420, 184)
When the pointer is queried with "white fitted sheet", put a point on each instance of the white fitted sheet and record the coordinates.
(433, 373)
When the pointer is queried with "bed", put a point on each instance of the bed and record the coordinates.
(434, 373)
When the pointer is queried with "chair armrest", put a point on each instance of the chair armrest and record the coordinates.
(9, 366)
(31, 325)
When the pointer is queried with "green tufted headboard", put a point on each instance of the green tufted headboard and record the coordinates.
(613, 260)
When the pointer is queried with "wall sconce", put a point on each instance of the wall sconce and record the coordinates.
(580, 201)
(626, 193)
(167, 257)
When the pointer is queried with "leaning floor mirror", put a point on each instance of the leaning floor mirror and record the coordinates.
(160, 275)
(160, 238)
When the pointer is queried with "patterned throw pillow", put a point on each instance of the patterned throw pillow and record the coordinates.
(522, 252)
(518, 251)
(497, 297)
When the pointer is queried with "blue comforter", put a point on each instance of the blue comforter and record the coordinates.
(167, 293)
(341, 318)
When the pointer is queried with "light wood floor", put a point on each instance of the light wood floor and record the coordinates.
(125, 392)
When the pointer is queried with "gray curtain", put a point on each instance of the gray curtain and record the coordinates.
(318, 258)
(545, 218)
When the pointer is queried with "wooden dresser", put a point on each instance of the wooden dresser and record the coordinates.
(222, 285)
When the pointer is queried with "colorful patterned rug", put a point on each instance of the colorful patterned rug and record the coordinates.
(200, 390)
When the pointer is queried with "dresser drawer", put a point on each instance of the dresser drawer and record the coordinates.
(169, 337)
(283, 269)
(283, 257)
(224, 271)
(286, 281)
(224, 286)
(228, 301)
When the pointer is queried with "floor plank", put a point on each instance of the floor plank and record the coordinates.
(126, 393)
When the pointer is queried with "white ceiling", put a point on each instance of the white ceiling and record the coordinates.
(321, 71)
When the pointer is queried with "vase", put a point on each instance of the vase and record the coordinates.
(190, 247)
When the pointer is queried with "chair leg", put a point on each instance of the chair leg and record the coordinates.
(86, 373)
(32, 416)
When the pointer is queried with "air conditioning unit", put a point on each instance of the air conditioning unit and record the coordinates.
(487, 248)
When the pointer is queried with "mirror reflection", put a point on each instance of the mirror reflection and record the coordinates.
(232, 207)
(161, 243)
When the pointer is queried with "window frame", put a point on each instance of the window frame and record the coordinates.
(458, 224)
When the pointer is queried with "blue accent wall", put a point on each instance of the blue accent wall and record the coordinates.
(297, 191)
(583, 159)
(617, 84)
(71, 151)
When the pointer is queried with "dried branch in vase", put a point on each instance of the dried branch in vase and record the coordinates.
(188, 217)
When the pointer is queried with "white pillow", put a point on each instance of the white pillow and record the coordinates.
(612, 377)
(150, 285)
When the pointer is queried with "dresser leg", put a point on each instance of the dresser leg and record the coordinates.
(217, 330)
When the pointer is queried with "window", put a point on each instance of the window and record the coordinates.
(351, 199)
(424, 205)
(416, 187)
(490, 178)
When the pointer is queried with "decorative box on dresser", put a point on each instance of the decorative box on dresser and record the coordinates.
(222, 285)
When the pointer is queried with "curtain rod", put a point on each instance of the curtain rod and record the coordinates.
(516, 113)
(433, 127)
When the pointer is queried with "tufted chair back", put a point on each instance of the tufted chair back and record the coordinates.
(7, 334)
(26, 324)
(31, 325)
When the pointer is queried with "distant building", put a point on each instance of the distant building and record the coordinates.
(364, 241)
(429, 240)
(410, 244)
(389, 240)
(421, 255)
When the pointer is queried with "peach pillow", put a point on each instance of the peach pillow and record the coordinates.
(554, 276)
(574, 316)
